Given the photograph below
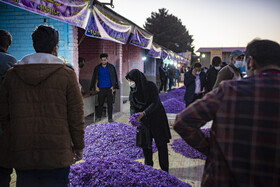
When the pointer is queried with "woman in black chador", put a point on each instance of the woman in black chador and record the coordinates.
(144, 98)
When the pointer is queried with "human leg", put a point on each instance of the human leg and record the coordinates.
(163, 157)
(101, 100)
(148, 154)
(110, 97)
(43, 178)
(5, 176)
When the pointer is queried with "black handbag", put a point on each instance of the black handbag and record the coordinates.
(143, 137)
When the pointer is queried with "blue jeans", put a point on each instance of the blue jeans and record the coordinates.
(5, 177)
(43, 178)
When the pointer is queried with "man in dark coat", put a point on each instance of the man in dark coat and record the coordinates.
(144, 98)
(163, 77)
(194, 81)
(105, 82)
(6, 61)
(212, 73)
(171, 74)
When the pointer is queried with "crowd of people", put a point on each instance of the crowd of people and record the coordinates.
(243, 148)
(42, 118)
(169, 76)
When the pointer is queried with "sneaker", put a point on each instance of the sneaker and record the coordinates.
(97, 120)
(111, 121)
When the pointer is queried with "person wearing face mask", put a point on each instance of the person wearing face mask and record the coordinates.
(211, 74)
(231, 71)
(144, 99)
(195, 81)
(243, 149)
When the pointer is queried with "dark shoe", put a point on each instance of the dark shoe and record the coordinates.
(111, 121)
(97, 120)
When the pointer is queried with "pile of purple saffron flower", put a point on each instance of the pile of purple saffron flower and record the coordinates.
(133, 120)
(108, 139)
(119, 171)
(177, 93)
(173, 106)
(180, 146)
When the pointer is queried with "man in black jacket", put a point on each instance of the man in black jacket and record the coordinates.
(212, 73)
(163, 77)
(104, 82)
(194, 81)
(6, 61)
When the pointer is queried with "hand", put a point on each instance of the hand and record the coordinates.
(194, 72)
(83, 91)
(78, 155)
(113, 90)
(203, 90)
(142, 114)
(97, 89)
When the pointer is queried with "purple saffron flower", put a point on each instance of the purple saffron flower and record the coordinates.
(173, 106)
(177, 93)
(119, 171)
(180, 146)
(108, 139)
(133, 120)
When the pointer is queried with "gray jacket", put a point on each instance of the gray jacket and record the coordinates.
(6, 61)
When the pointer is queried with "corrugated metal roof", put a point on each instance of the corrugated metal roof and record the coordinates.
(224, 49)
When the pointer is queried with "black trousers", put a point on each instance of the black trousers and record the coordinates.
(163, 84)
(43, 178)
(162, 156)
(195, 97)
(5, 176)
(102, 94)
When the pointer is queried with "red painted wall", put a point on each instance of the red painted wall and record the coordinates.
(90, 49)
(131, 56)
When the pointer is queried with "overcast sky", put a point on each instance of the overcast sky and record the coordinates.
(213, 23)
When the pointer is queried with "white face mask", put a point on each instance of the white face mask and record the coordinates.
(217, 67)
(132, 84)
(198, 72)
(238, 64)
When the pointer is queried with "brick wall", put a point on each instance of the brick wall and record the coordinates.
(21, 23)
(132, 58)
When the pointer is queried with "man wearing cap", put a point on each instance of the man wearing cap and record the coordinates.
(231, 71)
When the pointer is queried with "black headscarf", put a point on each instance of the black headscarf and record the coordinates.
(140, 92)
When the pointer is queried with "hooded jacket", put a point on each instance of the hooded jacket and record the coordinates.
(42, 114)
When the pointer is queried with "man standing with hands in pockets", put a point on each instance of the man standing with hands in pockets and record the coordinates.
(104, 82)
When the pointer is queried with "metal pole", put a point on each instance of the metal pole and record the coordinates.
(91, 4)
